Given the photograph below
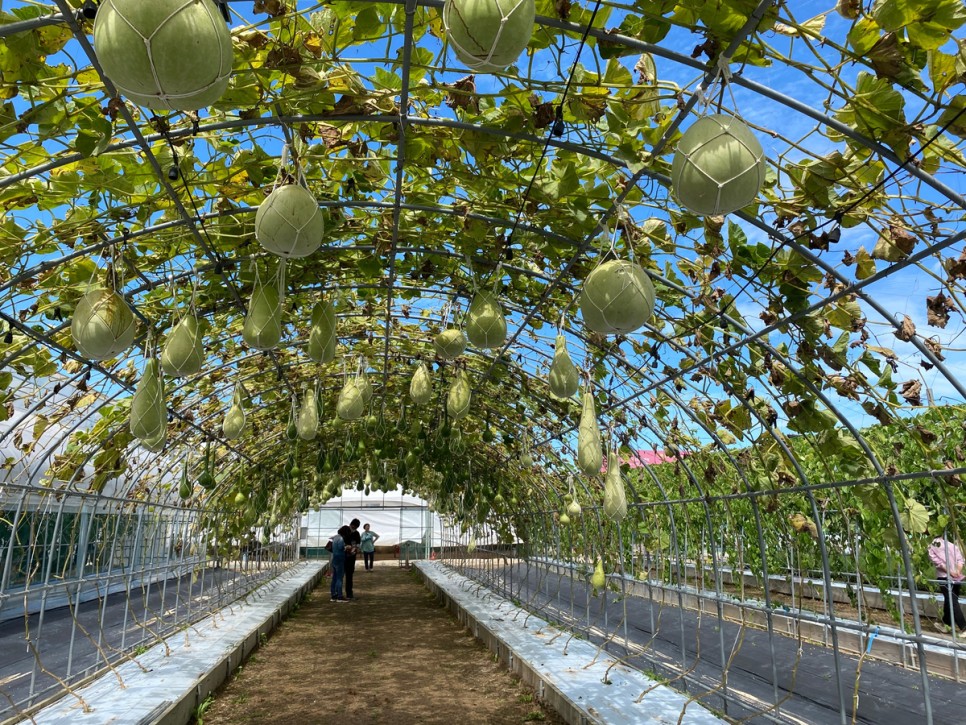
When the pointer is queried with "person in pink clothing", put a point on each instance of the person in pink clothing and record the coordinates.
(948, 559)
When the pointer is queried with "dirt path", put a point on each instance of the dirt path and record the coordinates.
(392, 656)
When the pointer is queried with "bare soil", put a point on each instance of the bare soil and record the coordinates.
(393, 656)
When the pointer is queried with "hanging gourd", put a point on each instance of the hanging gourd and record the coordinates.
(351, 404)
(564, 379)
(458, 398)
(616, 298)
(564, 519)
(184, 351)
(289, 222)
(573, 508)
(421, 386)
(485, 322)
(185, 489)
(322, 337)
(718, 167)
(234, 423)
(164, 54)
(450, 343)
(205, 479)
(598, 580)
(471, 544)
(292, 429)
(103, 325)
(149, 414)
(263, 324)
(590, 456)
(488, 35)
(526, 458)
(615, 499)
(308, 422)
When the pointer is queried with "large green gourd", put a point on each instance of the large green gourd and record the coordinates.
(149, 414)
(263, 324)
(164, 54)
(184, 351)
(308, 421)
(450, 344)
(351, 404)
(459, 396)
(590, 456)
(234, 423)
(289, 222)
(718, 167)
(322, 337)
(421, 386)
(488, 35)
(564, 378)
(103, 325)
(615, 499)
(616, 298)
(485, 322)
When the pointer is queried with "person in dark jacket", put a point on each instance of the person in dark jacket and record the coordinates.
(337, 562)
(353, 544)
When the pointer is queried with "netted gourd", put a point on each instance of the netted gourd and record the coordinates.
(421, 386)
(459, 396)
(103, 325)
(485, 322)
(488, 35)
(718, 166)
(184, 351)
(149, 414)
(289, 222)
(308, 420)
(322, 337)
(164, 54)
(616, 298)
(450, 344)
(234, 423)
(564, 378)
(351, 404)
(263, 324)
(615, 498)
(590, 455)
(365, 387)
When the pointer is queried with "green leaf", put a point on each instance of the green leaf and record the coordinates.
(953, 119)
(914, 517)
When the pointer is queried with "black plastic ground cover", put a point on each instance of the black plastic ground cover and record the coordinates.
(681, 641)
(151, 613)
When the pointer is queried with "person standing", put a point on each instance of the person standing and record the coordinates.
(337, 562)
(353, 542)
(948, 559)
(369, 539)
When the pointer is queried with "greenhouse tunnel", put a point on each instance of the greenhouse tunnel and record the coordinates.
(655, 305)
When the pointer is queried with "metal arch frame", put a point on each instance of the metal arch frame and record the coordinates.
(745, 342)
(628, 42)
(791, 365)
